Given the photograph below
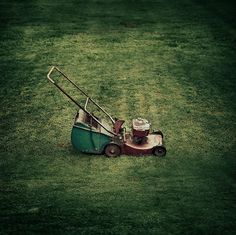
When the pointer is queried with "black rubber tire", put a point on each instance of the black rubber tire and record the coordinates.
(159, 151)
(112, 150)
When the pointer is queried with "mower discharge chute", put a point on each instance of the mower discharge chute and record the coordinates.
(91, 134)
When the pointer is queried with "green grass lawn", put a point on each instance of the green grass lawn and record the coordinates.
(172, 62)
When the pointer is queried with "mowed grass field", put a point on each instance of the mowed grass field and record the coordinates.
(172, 62)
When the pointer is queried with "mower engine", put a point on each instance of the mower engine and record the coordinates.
(140, 130)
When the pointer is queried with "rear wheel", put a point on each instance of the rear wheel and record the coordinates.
(112, 150)
(159, 151)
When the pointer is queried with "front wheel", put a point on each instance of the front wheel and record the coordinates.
(159, 151)
(158, 133)
(112, 150)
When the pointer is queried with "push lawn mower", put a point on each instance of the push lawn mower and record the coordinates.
(91, 134)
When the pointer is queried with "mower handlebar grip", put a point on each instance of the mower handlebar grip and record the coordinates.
(49, 73)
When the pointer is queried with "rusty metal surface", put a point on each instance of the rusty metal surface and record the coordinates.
(130, 148)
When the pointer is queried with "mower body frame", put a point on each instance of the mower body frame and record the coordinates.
(91, 134)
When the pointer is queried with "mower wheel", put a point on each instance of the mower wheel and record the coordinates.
(158, 133)
(112, 150)
(159, 151)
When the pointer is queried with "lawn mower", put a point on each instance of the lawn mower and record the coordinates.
(91, 134)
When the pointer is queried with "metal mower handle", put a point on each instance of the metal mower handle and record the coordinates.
(58, 70)
(49, 73)
(72, 99)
